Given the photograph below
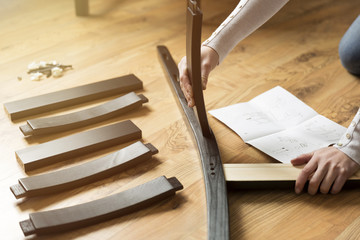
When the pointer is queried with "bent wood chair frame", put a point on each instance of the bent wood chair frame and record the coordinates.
(243, 176)
(215, 184)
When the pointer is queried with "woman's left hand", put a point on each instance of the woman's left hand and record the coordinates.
(327, 169)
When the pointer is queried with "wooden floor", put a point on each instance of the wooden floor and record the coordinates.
(297, 49)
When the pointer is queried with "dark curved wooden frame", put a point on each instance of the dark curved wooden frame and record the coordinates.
(216, 195)
(74, 145)
(215, 185)
(84, 117)
(64, 219)
(82, 174)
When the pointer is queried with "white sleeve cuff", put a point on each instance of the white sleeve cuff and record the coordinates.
(350, 141)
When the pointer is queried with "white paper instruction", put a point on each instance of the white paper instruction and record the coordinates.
(280, 125)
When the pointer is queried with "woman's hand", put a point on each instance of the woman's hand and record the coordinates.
(209, 60)
(327, 169)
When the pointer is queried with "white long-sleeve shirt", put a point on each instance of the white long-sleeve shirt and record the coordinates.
(350, 141)
(248, 16)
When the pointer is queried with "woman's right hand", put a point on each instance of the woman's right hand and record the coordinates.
(209, 60)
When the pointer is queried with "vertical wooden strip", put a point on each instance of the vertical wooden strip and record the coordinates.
(82, 7)
(193, 60)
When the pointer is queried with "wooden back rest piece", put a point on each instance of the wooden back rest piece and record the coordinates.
(100, 210)
(85, 173)
(74, 145)
(85, 117)
(71, 96)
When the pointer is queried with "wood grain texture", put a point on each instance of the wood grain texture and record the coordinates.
(269, 176)
(74, 145)
(96, 211)
(84, 117)
(72, 96)
(68, 178)
(296, 49)
(351, 232)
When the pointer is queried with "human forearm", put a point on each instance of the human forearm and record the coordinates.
(248, 16)
(327, 169)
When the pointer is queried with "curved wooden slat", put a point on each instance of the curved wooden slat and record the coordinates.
(100, 210)
(71, 96)
(88, 116)
(85, 173)
(215, 185)
(77, 144)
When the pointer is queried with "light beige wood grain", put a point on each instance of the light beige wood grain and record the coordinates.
(265, 172)
(351, 232)
(296, 49)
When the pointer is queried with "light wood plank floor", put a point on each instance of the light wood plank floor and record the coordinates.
(296, 49)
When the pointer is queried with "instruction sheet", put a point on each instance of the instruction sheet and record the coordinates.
(280, 125)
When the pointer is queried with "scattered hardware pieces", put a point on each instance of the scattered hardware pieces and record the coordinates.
(116, 205)
(38, 70)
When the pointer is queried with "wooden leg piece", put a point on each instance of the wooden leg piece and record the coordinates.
(85, 117)
(85, 173)
(100, 210)
(193, 57)
(82, 7)
(72, 96)
(77, 144)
